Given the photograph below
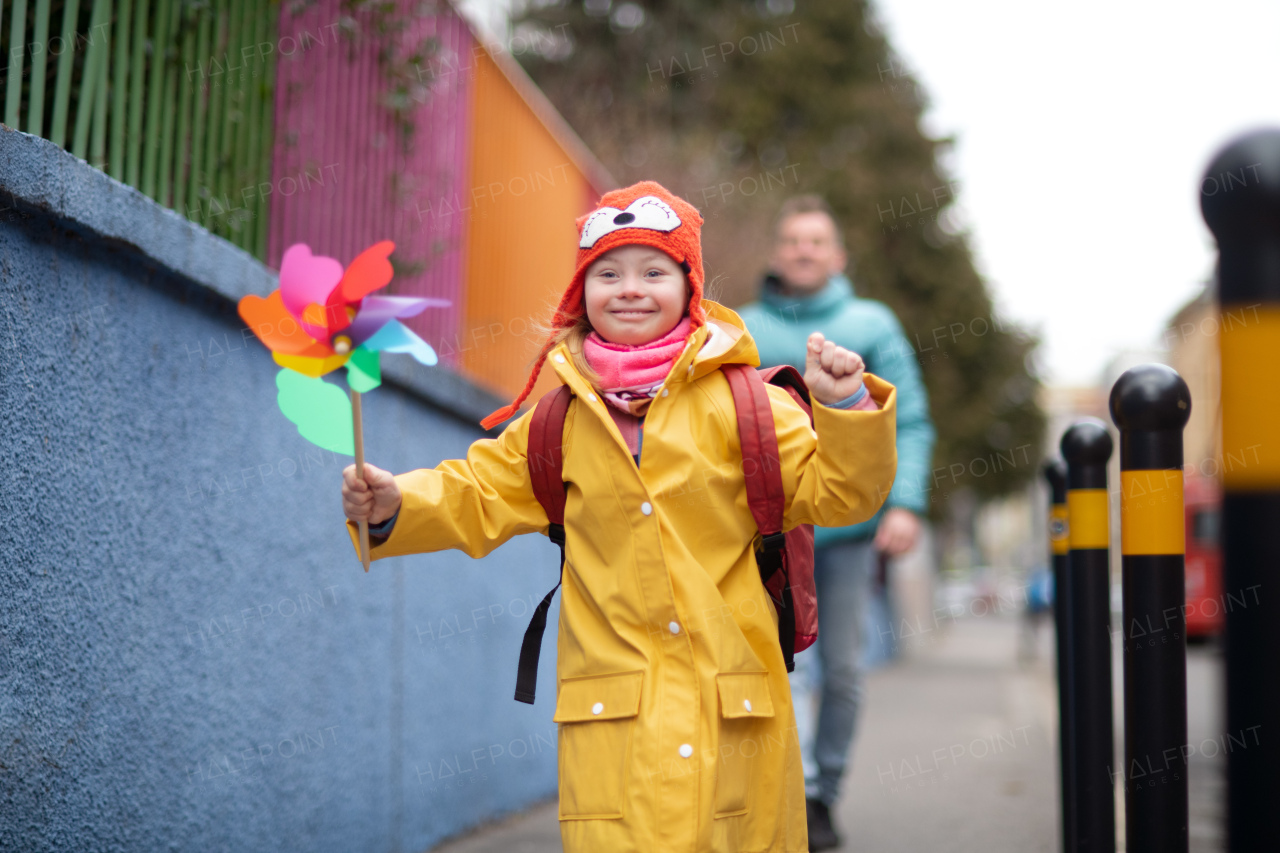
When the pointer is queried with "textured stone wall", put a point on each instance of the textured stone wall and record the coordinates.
(190, 654)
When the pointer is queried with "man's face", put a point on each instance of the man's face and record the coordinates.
(806, 251)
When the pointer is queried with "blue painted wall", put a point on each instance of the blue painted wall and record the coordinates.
(190, 654)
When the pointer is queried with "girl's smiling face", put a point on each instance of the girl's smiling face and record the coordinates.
(634, 294)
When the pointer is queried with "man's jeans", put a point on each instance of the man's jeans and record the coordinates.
(827, 681)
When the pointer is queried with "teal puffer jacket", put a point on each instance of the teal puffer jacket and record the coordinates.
(781, 324)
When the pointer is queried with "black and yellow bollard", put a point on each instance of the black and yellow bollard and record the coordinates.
(1086, 446)
(1150, 404)
(1056, 473)
(1243, 211)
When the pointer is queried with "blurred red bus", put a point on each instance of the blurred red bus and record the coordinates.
(1203, 503)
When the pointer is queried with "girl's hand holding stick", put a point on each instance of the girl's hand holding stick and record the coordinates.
(372, 500)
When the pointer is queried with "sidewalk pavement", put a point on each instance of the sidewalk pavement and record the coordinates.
(956, 753)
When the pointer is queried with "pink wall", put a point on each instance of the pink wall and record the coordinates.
(342, 180)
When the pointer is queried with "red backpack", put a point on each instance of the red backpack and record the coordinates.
(785, 559)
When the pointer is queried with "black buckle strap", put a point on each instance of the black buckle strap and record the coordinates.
(531, 646)
(787, 628)
(769, 558)
(769, 555)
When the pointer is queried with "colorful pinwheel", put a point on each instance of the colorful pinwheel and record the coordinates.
(322, 318)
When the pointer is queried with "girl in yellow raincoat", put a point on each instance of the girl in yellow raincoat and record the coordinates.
(676, 727)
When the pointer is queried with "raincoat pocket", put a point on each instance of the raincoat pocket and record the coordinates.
(744, 703)
(596, 715)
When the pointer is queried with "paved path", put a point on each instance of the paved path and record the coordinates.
(957, 748)
(957, 753)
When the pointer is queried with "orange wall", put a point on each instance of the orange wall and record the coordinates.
(521, 245)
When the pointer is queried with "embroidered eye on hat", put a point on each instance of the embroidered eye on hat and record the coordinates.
(642, 214)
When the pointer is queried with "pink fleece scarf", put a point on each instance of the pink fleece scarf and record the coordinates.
(630, 376)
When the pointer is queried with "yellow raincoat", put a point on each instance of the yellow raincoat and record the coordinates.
(676, 727)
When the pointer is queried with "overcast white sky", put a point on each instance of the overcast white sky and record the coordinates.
(1084, 131)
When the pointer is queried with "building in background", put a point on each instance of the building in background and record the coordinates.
(477, 179)
(336, 126)
(1192, 341)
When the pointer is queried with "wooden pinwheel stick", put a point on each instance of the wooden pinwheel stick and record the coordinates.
(359, 436)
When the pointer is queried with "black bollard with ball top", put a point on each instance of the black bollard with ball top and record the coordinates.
(1086, 446)
(1240, 199)
(1055, 472)
(1151, 404)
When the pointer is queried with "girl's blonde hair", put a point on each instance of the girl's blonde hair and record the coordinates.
(574, 337)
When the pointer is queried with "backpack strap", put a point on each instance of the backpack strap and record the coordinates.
(546, 472)
(756, 434)
(546, 452)
(762, 473)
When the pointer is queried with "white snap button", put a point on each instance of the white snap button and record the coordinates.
(599, 708)
(685, 750)
(674, 627)
(646, 508)
(666, 391)
(746, 703)
(591, 397)
(560, 359)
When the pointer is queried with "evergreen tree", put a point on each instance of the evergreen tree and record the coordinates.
(736, 106)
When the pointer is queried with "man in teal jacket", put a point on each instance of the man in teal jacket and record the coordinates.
(807, 291)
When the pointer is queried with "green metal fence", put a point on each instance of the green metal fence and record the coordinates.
(173, 97)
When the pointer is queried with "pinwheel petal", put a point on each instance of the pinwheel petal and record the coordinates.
(369, 271)
(375, 311)
(313, 323)
(338, 314)
(396, 337)
(318, 351)
(364, 373)
(319, 409)
(278, 330)
(314, 315)
(306, 278)
(313, 367)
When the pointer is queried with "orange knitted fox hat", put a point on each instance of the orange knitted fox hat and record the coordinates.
(646, 214)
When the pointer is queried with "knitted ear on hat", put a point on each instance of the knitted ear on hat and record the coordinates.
(644, 214)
